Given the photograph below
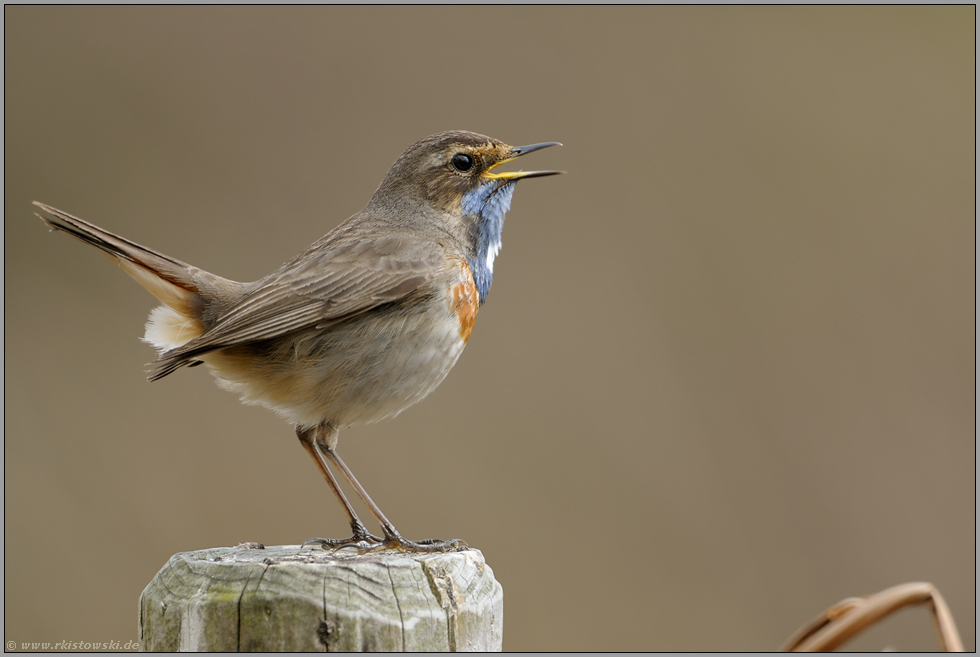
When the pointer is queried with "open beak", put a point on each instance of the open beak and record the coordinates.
(518, 152)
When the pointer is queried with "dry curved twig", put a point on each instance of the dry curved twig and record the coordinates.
(850, 616)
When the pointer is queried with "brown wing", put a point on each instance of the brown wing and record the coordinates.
(334, 279)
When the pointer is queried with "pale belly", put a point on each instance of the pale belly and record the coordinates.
(366, 369)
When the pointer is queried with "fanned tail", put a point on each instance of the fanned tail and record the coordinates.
(176, 284)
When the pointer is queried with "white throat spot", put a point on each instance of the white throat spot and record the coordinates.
(492, 252)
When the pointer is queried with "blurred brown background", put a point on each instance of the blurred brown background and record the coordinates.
(725, 376)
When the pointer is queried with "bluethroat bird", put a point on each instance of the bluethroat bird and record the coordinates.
(358, 327)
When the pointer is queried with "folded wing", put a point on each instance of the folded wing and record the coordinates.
(333, 280)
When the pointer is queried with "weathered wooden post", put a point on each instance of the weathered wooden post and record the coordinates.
(280, 598)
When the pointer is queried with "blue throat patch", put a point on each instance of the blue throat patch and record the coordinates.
(489, 202)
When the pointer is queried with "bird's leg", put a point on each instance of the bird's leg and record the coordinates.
(310, 439)
(392, 538)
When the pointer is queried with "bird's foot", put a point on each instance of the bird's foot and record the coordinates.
(394, 541)
(370, 543)
(362, 543)
(362, 539)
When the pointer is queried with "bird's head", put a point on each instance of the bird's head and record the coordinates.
(450, 181)
(448, 167)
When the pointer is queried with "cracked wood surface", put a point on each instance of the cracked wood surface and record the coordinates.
(308, 599)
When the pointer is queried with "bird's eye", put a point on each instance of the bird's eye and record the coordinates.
(462, 162)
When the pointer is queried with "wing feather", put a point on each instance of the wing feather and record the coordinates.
(332, 280)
